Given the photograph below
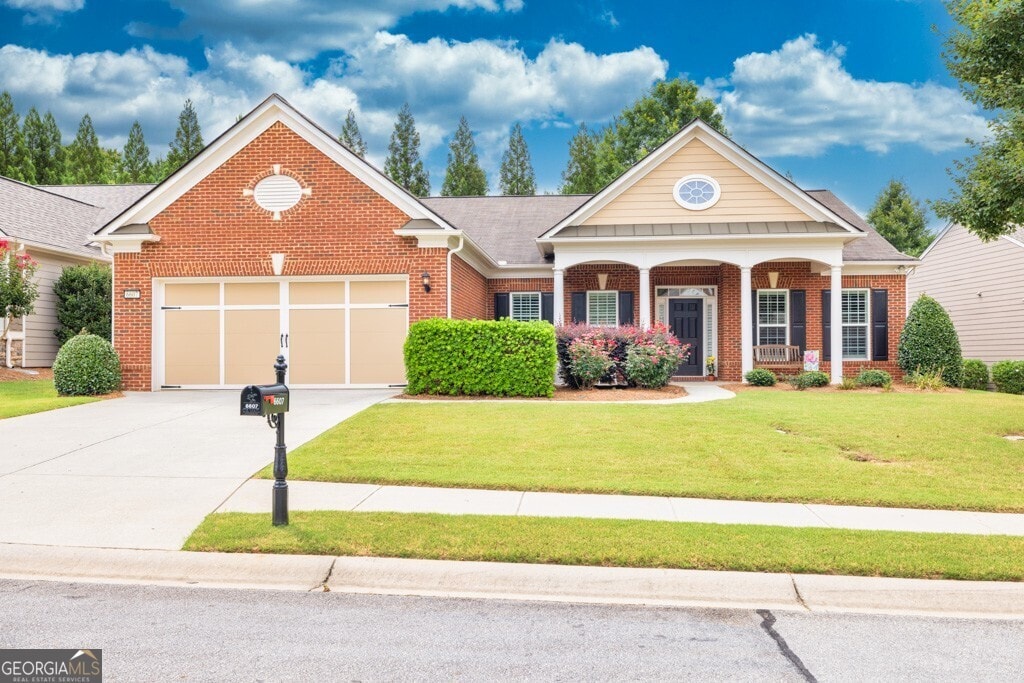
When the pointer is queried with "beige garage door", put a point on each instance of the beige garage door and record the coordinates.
(333, 333)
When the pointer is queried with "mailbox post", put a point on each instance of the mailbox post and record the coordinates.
(271, 401)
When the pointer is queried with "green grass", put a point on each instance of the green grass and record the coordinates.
(24, 397)
(619, 543)
(926, 450)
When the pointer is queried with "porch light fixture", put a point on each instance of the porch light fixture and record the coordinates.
(277, 263)
(602, 281)
(773, 280)
(426, 281)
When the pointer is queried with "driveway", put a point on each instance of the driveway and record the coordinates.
(144, 470)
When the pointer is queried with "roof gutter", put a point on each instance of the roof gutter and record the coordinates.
(448, 282)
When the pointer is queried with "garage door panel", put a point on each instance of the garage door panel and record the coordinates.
(191, 347)
(252, 340)
(377, 292)
(316, 346)
(331, 293)
(202, 294)
(252, 294)
(378, 336)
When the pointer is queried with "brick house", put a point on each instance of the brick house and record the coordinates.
(277, 239)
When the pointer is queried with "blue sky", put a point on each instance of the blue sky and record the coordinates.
(842, 94)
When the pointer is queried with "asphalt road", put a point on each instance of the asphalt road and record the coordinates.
(152, 633)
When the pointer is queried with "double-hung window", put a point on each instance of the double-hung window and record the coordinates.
(524, 306)
(603, 308)
(856, 318)
(772, 316)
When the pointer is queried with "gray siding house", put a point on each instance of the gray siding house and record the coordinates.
(981, 285)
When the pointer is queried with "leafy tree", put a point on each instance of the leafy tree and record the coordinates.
(463, 177)
(18, 287)
(83, 301)
(44, 147)
(986, 54)
(580, 175)
(929, 342)
(900, 218)
(135, 164)
(350, 136)
(86, 161)
(650, 121)
(188, 139)
(403, 164)
(14, 160)
(517, 177)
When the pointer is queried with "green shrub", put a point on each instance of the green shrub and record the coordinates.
(929, 342)
(808, 380)
(83, 301)
(1008, 376)
(760, 377)
(480, 358)
(874, 378)
(930, 380)
(85, 366)
(975, 374)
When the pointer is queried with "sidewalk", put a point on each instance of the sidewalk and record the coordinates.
(254, 496)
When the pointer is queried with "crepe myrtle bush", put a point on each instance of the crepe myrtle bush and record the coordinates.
(654, 356)
(86, 365)
(619, 339)
(630, 356)
(480, 358)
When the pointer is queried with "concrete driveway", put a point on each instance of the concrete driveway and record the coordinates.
(144, 470)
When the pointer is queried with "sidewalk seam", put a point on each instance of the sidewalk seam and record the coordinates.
(796, 590)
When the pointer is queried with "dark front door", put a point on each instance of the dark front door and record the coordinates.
(686, 318)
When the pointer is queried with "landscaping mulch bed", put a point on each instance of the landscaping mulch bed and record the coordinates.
(897, 387)
(10, 375)
(597, 394)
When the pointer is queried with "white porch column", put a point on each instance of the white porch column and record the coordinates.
(836, 337)
(559, 297)
(746, 315)
(645, 298)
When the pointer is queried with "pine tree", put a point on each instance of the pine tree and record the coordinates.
(900, 218)
(58, 159)
(43, 147)
(188, 139)
(403, 164)
(517, 177)
(86, 161)
(350, 136)
(14, 159)
(580, 175)
(463, 177)
(135, 164)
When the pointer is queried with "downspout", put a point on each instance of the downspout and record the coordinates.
(113, 297)
(448, 282)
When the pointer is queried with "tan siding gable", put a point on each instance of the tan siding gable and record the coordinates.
(650, 199)
(40, 343)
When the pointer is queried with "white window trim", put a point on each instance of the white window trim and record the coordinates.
(710, 345)
(866, 324)
(757, 303)
(716, 192)
(615, 298)
(540, 304)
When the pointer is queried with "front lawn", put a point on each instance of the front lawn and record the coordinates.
(22, 397)
(929, 450)
(619, 543)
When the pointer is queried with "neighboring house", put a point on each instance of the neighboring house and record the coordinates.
(277, 239)
(981, 286)
(54, 225)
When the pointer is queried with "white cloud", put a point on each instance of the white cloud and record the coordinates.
(298, 30)
(44, 11)
(800, 100)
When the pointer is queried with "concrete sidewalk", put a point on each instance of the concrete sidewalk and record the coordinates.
(609, 585)
(254, 496)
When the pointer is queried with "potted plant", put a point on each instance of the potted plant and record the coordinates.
(709, 366)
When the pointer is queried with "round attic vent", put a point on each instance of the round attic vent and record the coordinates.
(277, 193)
(697, 192)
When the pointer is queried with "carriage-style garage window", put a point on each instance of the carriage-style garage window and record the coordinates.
(772, 316)
(855, 324)
(524, 306)
(603, 308)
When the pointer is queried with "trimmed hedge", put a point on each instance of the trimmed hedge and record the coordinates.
(975, 374)
(871, 377)
(810, 380)
(480, 358)
(85, 366)
(760, 377)
(1008, 376)
(929, 342)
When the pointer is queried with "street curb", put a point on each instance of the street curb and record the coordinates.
(534, 582)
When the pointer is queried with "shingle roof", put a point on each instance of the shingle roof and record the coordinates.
(506, 227)
(871, 247)
(45, 218)
(110, 199)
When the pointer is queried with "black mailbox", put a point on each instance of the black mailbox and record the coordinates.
(266, 399)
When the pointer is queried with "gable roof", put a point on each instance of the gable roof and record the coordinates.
(698, 129)
(110, 199)
(274, 109)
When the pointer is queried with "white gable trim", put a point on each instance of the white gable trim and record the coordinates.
(273, 110)
(938, 237)
(699, 130)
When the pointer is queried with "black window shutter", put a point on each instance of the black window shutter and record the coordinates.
(547, 307)
(579, 307)
(879, 324)
(625, 308)
(798, 319)
(501, 306)
(826, 325)
(754, 305)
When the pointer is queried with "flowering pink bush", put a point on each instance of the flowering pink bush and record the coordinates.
(654, 355)
(590, 357)
(18, 290)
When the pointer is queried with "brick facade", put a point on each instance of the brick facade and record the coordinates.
(469, 291)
